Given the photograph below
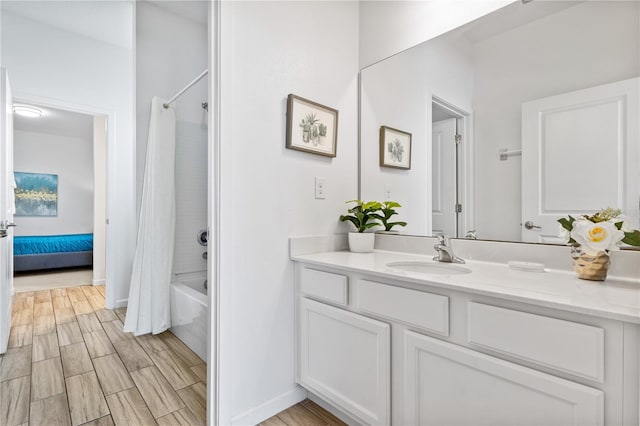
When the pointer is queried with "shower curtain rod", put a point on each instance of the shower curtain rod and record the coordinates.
(177, 95)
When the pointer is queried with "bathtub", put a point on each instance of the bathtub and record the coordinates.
(189, 308)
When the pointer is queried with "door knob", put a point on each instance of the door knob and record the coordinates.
(530, 225)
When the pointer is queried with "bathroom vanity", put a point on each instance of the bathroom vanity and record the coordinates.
(386, 343)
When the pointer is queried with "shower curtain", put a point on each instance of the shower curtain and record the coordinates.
(148, 309)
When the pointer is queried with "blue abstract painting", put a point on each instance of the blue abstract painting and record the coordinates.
(36, 194)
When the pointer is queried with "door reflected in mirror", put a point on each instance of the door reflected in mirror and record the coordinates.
(522, 116)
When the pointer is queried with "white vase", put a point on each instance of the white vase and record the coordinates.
(361, 242)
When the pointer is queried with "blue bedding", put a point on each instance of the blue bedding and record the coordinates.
(43, 244)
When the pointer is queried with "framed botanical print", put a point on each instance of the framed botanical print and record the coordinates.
(311, 127)
(395, 148)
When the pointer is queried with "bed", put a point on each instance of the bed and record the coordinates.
(32, 253)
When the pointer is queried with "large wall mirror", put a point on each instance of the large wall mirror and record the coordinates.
(525, 115)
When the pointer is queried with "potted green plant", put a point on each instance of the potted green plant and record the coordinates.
(363, 217)
(388, 209)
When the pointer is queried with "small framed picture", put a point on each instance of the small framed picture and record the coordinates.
(395, 148)
(311, 127)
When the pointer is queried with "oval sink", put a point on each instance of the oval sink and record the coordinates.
(429, 268)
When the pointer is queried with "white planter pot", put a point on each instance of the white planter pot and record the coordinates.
(361, 242)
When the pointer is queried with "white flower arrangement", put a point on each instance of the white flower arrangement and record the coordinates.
(604, 231)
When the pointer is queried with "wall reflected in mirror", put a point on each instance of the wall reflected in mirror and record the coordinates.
(522, 116)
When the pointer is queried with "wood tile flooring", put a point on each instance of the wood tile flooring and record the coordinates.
(305, 413)
(70, 363)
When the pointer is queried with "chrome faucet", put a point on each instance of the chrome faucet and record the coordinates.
(445, 251)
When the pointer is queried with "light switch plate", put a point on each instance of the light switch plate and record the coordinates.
(387, 192)
(321, 188)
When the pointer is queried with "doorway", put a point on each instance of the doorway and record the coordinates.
(450, 203)
(60, 189)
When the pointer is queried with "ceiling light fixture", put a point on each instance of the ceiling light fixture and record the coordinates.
(27, 111)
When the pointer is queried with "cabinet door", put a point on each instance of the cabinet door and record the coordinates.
(345, 359)
(449, 385)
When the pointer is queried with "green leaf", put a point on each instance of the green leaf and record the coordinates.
(567, 223)
(389, 225)
(632, 238)
(391, 204)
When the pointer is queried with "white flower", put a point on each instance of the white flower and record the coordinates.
(563, 234)
(596, 237)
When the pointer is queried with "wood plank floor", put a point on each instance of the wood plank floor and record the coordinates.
(70, 363)
(306, 413)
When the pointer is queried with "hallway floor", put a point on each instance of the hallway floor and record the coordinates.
(70, 363)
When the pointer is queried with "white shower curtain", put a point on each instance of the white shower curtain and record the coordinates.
(148, 309)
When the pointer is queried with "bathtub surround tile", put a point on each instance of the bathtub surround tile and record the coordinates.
(45, 346)
(50, 411)
(132, 355)
(86, 400)
(156, 391)
(102, 421)
(183, 417)
(16, 362)
(14, 401)
(83, 307)
(89, 323)
(42, 296)
(114, 331)
(105, 315)
(112, 374)
(151, 343)
(46, 379)
(20, 335)
(75, 359)
(200, 371)
(98, 344)
(128, 408)
(174, 369)
(69, 333)
(42, 309)
(44, 324)
(180, 349)
(195, 398)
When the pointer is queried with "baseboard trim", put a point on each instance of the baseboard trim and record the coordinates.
(270, 408)
(99, 282)
(333, 410)
(122, 303)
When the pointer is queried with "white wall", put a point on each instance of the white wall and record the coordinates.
(270, 49)
(389, 27)
(59, 67)
(586, 45)
(99, 199)
(398, 93)
(72, 160)
(171, 51)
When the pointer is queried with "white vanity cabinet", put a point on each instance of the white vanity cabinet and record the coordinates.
(384, 351)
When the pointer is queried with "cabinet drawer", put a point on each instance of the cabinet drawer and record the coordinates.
(415, 308)
(324, 285)
(567, 346)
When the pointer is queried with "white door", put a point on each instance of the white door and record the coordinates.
(447, 384)
(345, 359)
(444, 177)
(580, 153)
(6, 208)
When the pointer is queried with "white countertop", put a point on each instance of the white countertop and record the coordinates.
(613, 299)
